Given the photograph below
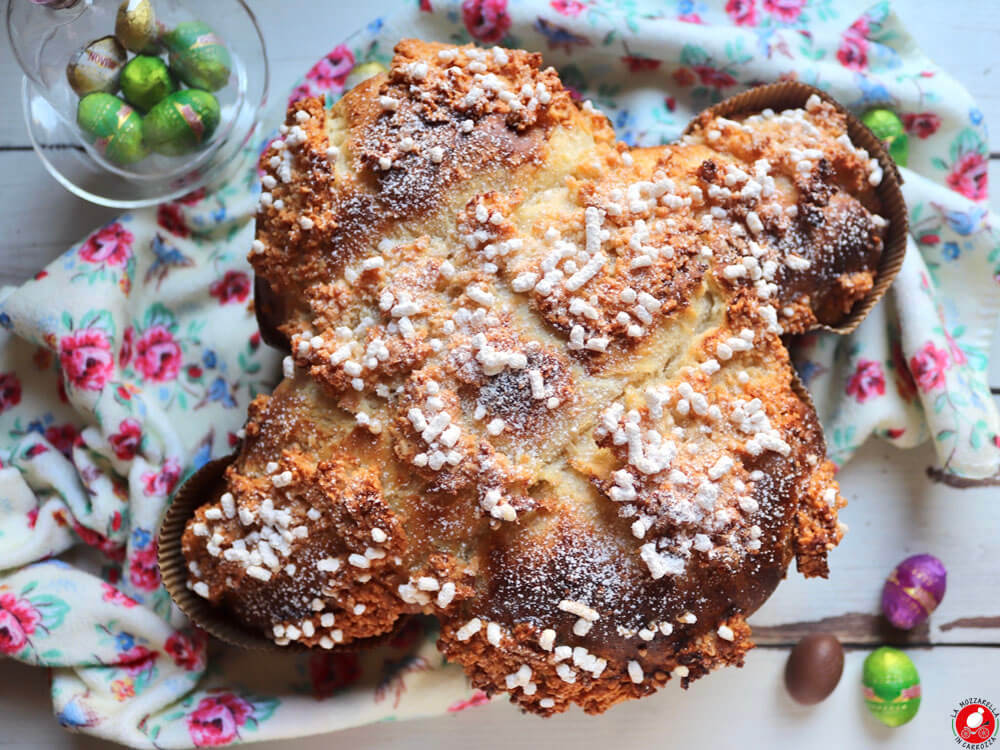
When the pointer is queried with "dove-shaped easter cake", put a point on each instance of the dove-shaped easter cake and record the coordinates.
(537, 384)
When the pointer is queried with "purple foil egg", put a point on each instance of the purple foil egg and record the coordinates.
(914, 590)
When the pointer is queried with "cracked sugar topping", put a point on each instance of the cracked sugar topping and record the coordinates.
(536, 385)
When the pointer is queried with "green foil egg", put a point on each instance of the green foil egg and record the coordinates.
(145, 81)
(363, 72)
(891, 686)
(182, 122)
(112, 126)
(198, 57)
(135, 26)
(888, 128)
(96, 67)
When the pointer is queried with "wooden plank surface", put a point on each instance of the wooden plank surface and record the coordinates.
(736, 708)
(894, 510)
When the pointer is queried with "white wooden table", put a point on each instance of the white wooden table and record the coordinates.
(894, 512)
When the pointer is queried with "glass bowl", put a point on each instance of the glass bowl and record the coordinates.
(44, 38)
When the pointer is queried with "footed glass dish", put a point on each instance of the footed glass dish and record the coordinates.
(174, 121)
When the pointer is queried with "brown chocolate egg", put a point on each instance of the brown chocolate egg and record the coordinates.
(814, 668)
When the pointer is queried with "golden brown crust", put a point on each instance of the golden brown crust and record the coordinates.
(537, 385)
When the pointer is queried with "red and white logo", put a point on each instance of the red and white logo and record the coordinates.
(974, 723)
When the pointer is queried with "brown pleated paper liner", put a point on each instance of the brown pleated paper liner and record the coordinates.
(800, 390)
(793, 94)
(268, 308)
(202, 487)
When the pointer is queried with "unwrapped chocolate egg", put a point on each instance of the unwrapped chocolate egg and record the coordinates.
(891, 686)
(913, 590)
(135, 25)
(888, 128)
(198, 57)
(145, 81)
(96, 67)
(112, 126)
(182, 122)
(814, 668)
(363, 72)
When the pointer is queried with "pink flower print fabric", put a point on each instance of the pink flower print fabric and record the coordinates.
(130, 361)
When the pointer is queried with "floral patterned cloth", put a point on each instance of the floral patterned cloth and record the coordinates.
(129, 362)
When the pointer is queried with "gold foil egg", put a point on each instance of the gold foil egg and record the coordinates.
(96, 67)
(362, 72)
(135, 25)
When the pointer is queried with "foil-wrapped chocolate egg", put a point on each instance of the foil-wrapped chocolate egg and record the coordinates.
(888, 128)
(913, 590)
(145, 81)
(198, 57)
(891, 686)
(96, 67)
(814, 668)
(182, 122)
(112, 126)
(135, 26)
(362, 72)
